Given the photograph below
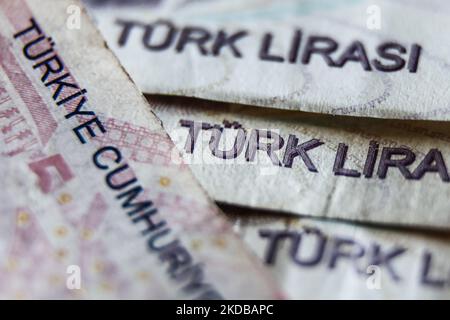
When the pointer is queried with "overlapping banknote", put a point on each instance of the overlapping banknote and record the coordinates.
(334, 110)
(92, 204)
(377, 58)
(322, 259)
(320, 148)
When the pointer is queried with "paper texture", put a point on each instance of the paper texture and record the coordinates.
(92, 204)
(385, 59)
(371, 170)
(318, 259)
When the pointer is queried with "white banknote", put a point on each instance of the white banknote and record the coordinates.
(318, 259)
(92, 204)
(379, 58)
(373, 170)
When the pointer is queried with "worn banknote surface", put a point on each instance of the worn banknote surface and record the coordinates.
(364, 169)
(92, 204)
(349, 261)
(380, 58)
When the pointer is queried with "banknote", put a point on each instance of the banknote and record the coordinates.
(349, 261)
(362, 169)
(92, 204)
(382, 58)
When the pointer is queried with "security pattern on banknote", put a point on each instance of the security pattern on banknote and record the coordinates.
(89, 188)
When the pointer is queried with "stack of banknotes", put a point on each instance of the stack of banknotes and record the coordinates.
(225, 149)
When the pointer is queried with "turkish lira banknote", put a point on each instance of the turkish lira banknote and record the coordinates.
(323, 259)
(382, 58)
(92, 203)
(373, 170)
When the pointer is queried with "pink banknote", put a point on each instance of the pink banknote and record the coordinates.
(94, 201)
